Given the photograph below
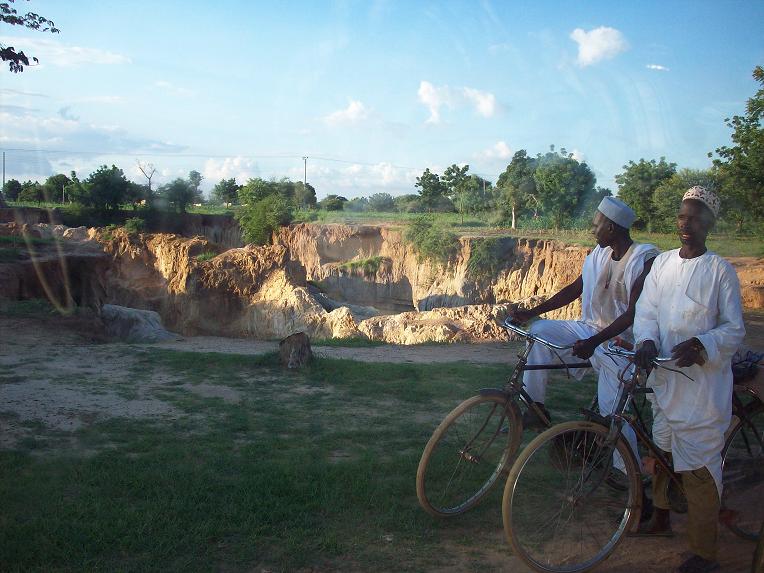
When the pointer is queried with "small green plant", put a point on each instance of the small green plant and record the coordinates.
(431, 240)
(368, 266)
(135, 225)
(29, 307)
(486, 257)
(108, 232)
(206, 256)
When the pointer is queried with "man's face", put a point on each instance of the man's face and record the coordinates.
(602, 229)
(694, 222)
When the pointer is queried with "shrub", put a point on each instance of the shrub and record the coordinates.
(368, 266)
(486, 257)
(430, 240)
(135, 225)
(206, 256)
(260, 219)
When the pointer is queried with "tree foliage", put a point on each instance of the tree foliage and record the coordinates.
(12, 189)
(431, 188)
(179, 194)
(741, 166)
(9, 15)
(668, 195)
(226, 192)
(561, 183)
(31, 192)
(381, 202)
(105, 188)
(259, 219)
(517, 186)
(55, 186)
(332, 203)
(637, 184)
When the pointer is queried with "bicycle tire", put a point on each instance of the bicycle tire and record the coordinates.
(467, 454)
(743, 473)
(561, 476)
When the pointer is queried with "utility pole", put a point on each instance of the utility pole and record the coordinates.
(305, 171)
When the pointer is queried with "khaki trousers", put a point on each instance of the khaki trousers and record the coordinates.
(702, 507)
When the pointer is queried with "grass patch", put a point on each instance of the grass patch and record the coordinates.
(206, 256)
(311, 469)
(368, 266)
(31, 307)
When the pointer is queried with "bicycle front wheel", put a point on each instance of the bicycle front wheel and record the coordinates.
(560, 514)
(743, 475)
(467, 453)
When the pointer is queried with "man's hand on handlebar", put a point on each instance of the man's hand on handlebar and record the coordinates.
(584, 348)
(521, 316)
(645, 355)
(688, 353)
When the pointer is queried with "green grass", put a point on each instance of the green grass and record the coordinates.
(308, 469)
(368, 266)
(27, 308)
(354, 342)
(206, 256)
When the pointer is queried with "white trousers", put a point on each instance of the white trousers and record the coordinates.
(565, 333)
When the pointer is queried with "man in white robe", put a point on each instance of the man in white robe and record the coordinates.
(609, 285)
(690, 309)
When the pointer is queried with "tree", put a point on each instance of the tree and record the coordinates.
(304, 196)
(105, 188)
(668, 195)
(332, 203)
(8, 15)
(517, 185)
(226, 192)
(148, 171)
(431, 188)
(178, 193)
(258, 220)
(741, 166)
(12, 189)
(457, 181)
(31, 192)
(55, 187)
(637, 184)
(195, 180)
(381, 202)
(409, 204)
(357, 205)
(561, 183)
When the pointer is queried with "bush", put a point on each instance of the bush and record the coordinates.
(431, 241)
(486, 257)
(368, 266)
(206, 256)
(135, 225)
(259, 220)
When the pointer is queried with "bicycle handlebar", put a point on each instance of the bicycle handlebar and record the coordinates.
(509, 325)
(612, 348)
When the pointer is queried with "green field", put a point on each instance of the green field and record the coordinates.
(310, 470)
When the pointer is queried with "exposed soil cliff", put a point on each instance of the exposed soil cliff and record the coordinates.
(530, 268)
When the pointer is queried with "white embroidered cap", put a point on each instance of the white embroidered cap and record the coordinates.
(617, 211)
(708, 198)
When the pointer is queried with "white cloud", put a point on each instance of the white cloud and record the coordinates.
(239, 168)
(601, 43)
(108, 99)
(357, 179)
(55, 53)
(355, 112)
(657, 67)
(437, 97)
(172, 88)
(499, 150)
(578, 155)
(484, 102)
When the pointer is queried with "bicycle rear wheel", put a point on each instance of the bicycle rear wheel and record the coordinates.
(560, 514)
(743, 475)
(467, 453)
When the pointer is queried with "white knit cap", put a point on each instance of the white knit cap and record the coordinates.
(617, 211)
(708, 198)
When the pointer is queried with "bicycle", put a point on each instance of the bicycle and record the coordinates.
(560, 511)
(472, 446)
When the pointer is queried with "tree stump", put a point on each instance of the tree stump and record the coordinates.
(294, 350)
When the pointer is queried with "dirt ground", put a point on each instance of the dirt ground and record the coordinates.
(34, 349)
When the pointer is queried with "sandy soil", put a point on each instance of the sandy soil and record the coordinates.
(36, 355)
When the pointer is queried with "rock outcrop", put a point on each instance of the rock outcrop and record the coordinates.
(134, 325)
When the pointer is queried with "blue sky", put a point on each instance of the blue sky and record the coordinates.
(372, 92)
